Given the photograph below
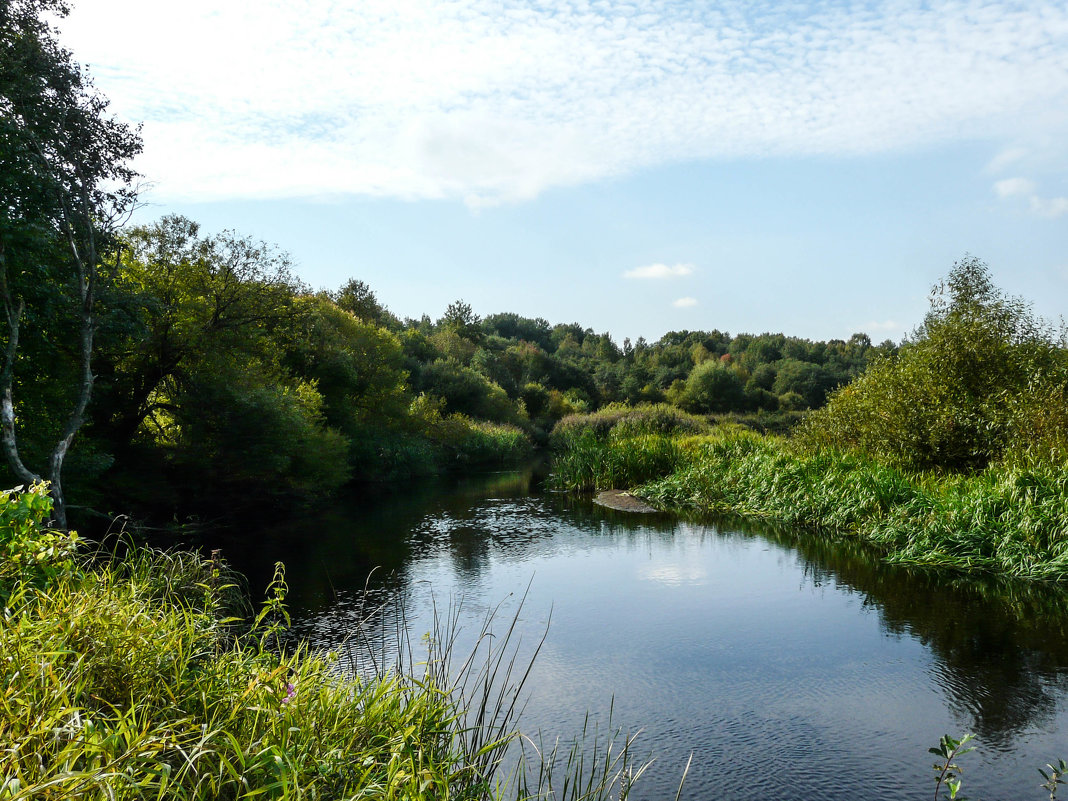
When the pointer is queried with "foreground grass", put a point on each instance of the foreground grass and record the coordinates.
(132, 679)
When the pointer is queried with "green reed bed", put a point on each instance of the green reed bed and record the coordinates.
(620, 446)
(1010, 519)
(132, 679)
(587, 463)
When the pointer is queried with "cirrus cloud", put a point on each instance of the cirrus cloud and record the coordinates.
(491, 102)
(685, 303)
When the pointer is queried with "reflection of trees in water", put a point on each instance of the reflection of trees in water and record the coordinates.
(1001, 647)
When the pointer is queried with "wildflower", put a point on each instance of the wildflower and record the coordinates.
(291, 693)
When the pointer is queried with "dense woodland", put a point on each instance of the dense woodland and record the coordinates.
(217, 372)
(170, 372)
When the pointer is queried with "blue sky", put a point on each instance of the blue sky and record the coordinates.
(636, 167)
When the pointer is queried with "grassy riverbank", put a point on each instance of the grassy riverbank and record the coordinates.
(1009, 519)
(137, 678)
(952, 452)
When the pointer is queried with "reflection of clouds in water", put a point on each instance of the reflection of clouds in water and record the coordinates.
(674, 573)
(679, 561)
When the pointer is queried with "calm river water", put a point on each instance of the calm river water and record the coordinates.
(789, 667)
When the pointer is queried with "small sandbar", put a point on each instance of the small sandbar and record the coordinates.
(623, 501)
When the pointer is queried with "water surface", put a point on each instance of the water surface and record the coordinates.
(792, 668)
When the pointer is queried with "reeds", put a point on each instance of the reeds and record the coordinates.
(588, 463)
(1011, 519)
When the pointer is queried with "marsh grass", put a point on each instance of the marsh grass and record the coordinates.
(588, 463)
(1010, 519)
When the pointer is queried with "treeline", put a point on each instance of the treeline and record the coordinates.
(219, 375)
(562, 369)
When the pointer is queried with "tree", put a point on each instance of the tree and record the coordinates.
(981, 377)
(461, 318)
(713, 387)
(67, 188)
(808, 380)
(357, 298)
(188, 298)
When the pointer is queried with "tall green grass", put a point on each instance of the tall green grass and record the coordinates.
(590, 464)
(136, 678)
(1010, 519)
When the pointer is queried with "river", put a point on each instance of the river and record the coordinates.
(790, 667)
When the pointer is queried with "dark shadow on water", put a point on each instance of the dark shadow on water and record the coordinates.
(1001, 646)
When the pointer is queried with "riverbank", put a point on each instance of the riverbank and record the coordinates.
(1010, 519)
(147, 677)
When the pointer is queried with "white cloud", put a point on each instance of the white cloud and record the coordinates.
(1014, 186)
(495, 102)
(684, 303)
(1049, 207)
(660, 271)
(1043, 206)
(1006, 158)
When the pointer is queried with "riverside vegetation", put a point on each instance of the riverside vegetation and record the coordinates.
(952, 452)
(137, 678)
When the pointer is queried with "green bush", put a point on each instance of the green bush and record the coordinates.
(622, 421)
(981, 379)
(713, 387)
(30, 553)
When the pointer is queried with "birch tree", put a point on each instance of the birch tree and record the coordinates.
(67, 186)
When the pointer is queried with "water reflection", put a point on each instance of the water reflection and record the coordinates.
(1001, 646)
(733, 639)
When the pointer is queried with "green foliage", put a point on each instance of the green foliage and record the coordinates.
(359, 300)
(239, 429)
(356, 366)
(588, 463)
(808, 380)
(949, 772)
(468, 392)
(622, 421)
(981, 379)
(1009, 520)
(1054, 777)
(460, 441)
(713, 387)
(30, 553)
(67, 185)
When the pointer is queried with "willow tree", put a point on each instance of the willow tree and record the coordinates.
(67, 186)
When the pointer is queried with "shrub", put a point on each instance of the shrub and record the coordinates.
(29, 552)
(622, 421)
(979, 379)
(713, 387)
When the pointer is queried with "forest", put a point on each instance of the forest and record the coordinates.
(218, 374)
